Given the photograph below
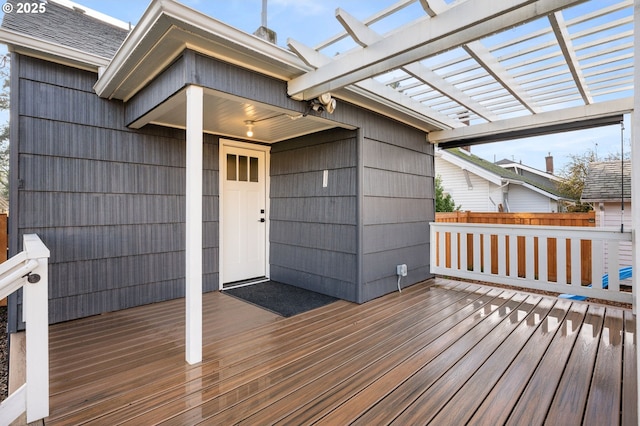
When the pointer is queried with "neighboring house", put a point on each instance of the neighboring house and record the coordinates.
(604, 187)
(545, 179)
(102, 166)
(479, 185)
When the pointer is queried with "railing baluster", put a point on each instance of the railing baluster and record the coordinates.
(454, 250)
(614, 262)
(561, 261)
(463, 252)
(486, 243)
(597, 262)
(442, 262)
(576, 269)
(513, 256)
(476, 253)
(502, 255)
(530, 258)
(543, 262)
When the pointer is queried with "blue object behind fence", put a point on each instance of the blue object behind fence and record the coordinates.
(625, 273)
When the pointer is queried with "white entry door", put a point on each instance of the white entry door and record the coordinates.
(244, 219)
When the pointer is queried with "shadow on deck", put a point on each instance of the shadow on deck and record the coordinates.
(440, 352)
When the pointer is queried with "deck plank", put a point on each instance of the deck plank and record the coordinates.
(406, 393)
(304, 367)
(442, 351)
(534, 402)
(433, 399)
(605, 388)
(571, 396)
(237, 354)
(496, 407)
(459, 408)
(361, 369)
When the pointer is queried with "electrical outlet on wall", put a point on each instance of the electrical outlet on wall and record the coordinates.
(401, 270)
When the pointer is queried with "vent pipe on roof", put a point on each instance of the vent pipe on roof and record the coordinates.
(263, 32)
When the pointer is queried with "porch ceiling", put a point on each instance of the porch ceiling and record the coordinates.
(484, 63)
(226, 115)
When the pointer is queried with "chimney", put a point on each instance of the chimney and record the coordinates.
(549, 161)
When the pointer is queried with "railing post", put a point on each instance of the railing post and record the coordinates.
(36, 315)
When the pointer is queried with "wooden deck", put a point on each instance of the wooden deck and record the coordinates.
(440, 352)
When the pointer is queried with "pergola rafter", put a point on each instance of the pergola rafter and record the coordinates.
(473, 62)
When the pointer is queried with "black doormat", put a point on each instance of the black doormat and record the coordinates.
(280, 298)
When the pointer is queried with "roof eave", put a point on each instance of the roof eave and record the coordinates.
(473, 168)
(162, 15)
(535, 189)
(35, 47)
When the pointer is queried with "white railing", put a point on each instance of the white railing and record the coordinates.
(29, 270)
(557, 259)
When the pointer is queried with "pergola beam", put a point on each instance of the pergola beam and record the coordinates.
(566, 46)
(533, 125)
(459, 25)
(365, 36)
(482, 55)
(316, 59)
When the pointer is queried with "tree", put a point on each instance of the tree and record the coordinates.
(444, 201)
(574, 175)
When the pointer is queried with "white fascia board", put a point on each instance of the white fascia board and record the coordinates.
(530, 169)
(470, 167)
(533, 188)
(54, 52)
(161, 16)
(556, 117)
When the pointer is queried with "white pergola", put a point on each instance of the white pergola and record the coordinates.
(481, 70)
(477, 71)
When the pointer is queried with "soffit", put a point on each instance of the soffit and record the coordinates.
(225, 115)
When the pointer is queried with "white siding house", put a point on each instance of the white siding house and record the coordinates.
(478, 185)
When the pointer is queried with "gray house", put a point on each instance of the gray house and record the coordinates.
(608, 188)
(171, 157)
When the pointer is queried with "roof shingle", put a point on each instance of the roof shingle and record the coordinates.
(67, 27)
(605, 181)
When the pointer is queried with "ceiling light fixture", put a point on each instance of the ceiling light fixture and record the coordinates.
(249, 124)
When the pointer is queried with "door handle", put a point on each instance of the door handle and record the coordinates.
(262, 219)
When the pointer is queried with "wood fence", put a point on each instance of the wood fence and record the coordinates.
(546, 219)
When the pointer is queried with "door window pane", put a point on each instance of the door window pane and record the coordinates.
(242, 168)
(253, 169)
(231, 167)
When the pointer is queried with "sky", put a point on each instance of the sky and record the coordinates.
(312, 22)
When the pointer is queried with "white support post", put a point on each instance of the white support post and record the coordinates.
(635, 177)
(36, 315)
(193, 225)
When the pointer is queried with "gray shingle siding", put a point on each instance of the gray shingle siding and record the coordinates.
(67, 27)
(107, 200)
(314, 229)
